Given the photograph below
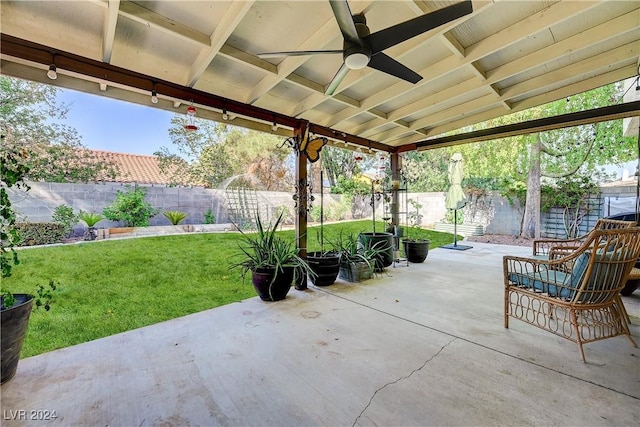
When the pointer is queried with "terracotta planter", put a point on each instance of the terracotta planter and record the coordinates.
(14, 322)
(326, 267)
(416, 251)
(271, 286)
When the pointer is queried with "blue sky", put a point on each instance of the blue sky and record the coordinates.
(112, 125)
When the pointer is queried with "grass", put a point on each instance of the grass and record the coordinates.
(114, 286)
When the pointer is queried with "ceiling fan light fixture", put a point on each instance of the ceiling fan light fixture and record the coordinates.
(356, 61)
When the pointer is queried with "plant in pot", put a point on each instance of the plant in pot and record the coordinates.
(416, 250)
(274, 262)
(15, 309)
(356, 262)
(325, 264)
(91, 219)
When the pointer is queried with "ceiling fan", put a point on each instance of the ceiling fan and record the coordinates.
(362, 49)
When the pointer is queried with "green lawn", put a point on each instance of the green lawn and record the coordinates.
(113, 286)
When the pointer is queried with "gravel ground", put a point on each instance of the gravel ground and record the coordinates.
(501, 239)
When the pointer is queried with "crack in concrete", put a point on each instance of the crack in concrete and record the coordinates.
(401, 379)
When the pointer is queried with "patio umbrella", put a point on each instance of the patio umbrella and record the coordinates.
(455, 198)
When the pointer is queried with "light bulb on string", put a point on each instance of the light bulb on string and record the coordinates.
(52, 73)
(154, 97)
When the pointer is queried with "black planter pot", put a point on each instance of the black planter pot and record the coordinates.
(325, 265)
(383, 242)
(14, 321)
(270, 288)
(416, 251)
(355, 271)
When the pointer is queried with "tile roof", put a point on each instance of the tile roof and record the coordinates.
(136, 168)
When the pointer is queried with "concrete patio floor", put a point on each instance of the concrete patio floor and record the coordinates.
(418, 345)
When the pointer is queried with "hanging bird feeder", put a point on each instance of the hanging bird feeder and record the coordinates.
(191, 119)
(358, 156)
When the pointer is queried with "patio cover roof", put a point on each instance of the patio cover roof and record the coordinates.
(504, 57)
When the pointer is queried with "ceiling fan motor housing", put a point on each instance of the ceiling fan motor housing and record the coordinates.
(357, 56)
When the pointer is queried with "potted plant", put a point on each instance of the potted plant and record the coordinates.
(325, 265)
(382, 244)
(273, 261)
(416, 250)
(91, 219)
(356, 261)
(15, 309)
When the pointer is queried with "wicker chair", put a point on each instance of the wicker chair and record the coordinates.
(548, 248)
(575, 296)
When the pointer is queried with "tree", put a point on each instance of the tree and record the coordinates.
(426, 170)
(551, 155)
(54, 150)
(338, 163)
(217, 151)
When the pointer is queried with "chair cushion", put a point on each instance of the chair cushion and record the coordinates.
(553, 282)
(579, 268)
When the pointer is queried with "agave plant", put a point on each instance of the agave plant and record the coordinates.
(351, 251)
(175, 217)
(264, 250)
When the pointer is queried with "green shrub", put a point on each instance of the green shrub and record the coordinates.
(39, 233)
(314, 214)
(209, 217)
(451, 217)
(131, 208)
(175, 217)
(64, 215)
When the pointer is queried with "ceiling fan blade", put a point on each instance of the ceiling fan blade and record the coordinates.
(337, 79)
(343, 14)
(391, 36)
(386, 64)
(297, 53)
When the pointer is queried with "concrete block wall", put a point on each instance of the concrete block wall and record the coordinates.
(492, 211)
(39, 203)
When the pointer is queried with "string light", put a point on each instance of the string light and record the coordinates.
(225, 116)
(52, 73)
(154, 96)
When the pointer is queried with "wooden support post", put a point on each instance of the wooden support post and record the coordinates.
(301, 203)
(396, 166)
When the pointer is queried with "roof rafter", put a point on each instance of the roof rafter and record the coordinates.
(544, 98)
(109, 31)
(598, 34)
(553, 15)
(232, 17)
